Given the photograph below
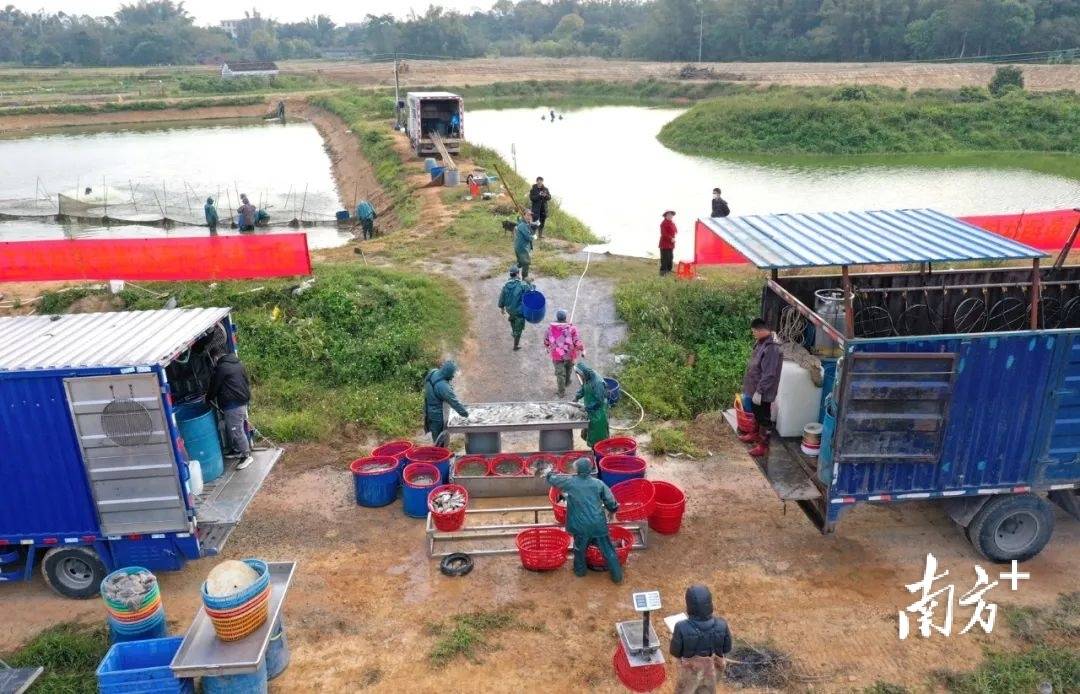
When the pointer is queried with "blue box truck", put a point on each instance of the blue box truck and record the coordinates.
(960, 386)
(93, 469)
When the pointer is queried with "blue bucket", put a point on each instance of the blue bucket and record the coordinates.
(342, 215)
(198, 427)
(251, 683)
(614, 391)
(414, 496)
(375, 480)
(437, 171)
(533, 306)
(277, 653)
(429, 163)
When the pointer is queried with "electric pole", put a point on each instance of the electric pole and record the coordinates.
(700, 31)
(397, 94)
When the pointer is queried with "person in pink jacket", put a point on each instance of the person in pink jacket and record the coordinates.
(564, 345)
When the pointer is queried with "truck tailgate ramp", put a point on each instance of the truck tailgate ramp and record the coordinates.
(223, 501)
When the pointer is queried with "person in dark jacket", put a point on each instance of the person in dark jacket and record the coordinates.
(667, 242)
(586, 499)
(437, 390)
(523, 243)
(700, 643)
(719, 205)
(247, 213)
(760, 384)
(211, 214)
(539, 196)
(510, 304)
(230, 391)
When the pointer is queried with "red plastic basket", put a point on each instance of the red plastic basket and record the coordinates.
(558, 506)
(540, 459)
(644, 678)
(636, 499)
(623, 465)
(623, 540)
(567, 460)
(429, 454)
(448, 522)
(471, 466)
(669, 504)
(513, 464)
(374, 465)
(543, 549)
(616, 445)
(414, 470)
(394, 449)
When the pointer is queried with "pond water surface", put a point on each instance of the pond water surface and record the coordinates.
(606, 167)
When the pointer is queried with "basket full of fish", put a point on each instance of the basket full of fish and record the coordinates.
(447, 504)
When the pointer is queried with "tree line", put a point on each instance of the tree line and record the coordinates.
(151, 32)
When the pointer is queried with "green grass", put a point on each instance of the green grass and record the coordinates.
(585, 93)
(70, 654)
(367, 113)
(153, 105)
(673, 440)
(1008, 673)
(463, 635)
(352, 350)
(800, 122)
(687, 342)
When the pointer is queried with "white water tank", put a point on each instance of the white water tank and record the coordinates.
(798, 400)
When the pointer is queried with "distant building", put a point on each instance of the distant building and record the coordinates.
(265, 68)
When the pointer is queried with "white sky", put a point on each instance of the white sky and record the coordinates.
(213, 11)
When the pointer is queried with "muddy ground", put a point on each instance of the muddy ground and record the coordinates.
(491, 70)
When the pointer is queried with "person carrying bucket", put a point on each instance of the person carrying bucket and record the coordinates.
(437, 391)
(586, 499)
(564, 345)
(523, 243)
(510, 304)
(593, 394)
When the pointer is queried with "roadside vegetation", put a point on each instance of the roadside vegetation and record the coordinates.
(346, 354)
(70, 654)
(465, 635)
(584, 93)
(868, 120)
(114, 106)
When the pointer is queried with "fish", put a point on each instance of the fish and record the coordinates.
(448, 501)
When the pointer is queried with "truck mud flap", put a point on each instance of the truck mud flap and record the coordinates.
(1067, 499)
(222, 503)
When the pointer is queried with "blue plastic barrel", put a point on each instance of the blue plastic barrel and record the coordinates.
(825, 453)
(614, 391)
(437, 171)
(413, 495)
(142, 666)
(533, 306)
(198, 427)
(429, 163)
(619, 468)
(828, 367)
(251, 683)
(375, 480)
(342, 215)
(277, 653)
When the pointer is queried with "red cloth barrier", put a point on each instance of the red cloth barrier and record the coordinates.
(179, 258)
(1047, 231)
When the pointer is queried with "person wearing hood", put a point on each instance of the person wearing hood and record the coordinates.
(700, 643)
(437, 392)
(564, 345)
(593, 394)
(211, 216)
(247, 214)
(667, 242)
(510, 304)
(760, 384)
(586, 499)
(523, 243)
(230, 391)
(365, 213)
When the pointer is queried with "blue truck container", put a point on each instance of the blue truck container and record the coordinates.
(956, 386)
(93, 466)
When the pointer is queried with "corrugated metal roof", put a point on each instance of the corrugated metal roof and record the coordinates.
(92, 340)
(822, 239)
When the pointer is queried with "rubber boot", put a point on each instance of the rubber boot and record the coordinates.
(517, 345)
(761, 450)
(752, 436)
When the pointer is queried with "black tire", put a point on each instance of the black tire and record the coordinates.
(1012, 527)
(456, 564)
(74, 572)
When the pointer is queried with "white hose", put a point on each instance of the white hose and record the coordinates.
(588, 259)
(640, 419)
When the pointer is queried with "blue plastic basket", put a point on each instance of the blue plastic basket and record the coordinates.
(614, 391)
(277, 653)
(237, 600)
(141, 666)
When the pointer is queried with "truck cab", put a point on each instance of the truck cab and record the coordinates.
(93, 450)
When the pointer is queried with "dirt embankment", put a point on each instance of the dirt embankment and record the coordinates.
(38, 121)
(518, 69)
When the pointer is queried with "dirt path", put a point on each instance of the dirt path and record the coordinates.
(518, 69)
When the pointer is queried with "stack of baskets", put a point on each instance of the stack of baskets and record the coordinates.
(238, 615)
(636, 498)
(136, 617)
(669, 504)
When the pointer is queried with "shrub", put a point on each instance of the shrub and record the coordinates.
(851, 92)
(1006, 79)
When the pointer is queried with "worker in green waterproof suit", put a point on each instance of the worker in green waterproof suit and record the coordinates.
(437, 390)
(586, 499)
(523, 243)
(510, 304)
(593, 394)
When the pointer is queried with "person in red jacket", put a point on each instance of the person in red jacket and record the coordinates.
(667, 242)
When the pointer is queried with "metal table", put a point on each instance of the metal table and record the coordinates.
(556, 435)
(202, 654)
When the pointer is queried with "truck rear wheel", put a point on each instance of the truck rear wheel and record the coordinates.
(74, 572)
(1012, 527)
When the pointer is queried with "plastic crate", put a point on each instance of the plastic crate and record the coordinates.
(142, 667)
